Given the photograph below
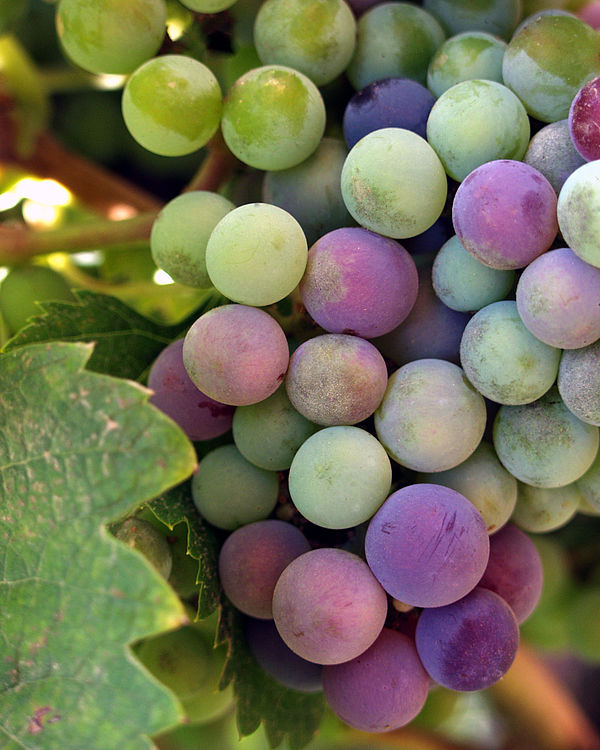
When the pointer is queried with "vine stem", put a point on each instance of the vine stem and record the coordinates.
(107, 194)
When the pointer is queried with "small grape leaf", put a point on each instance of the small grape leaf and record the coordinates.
(176, 506)
(285, 713)
(126, 343)
(79, 449)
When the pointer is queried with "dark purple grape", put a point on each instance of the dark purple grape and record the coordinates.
(252, 559)
(328, 606)
(470, 644)
(388, 103)
(427, 545)
(504, 213)
(271, 652)
(514, 571)
(584, 120)
(431, 330)
(198, 415)
(359, 282)
(382, 689)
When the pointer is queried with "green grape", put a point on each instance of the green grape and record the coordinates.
(541, 509)
(180, 659)
(229, 491)
(485, 482)
(394, 40)
(269, 433)
(207, 6)
(23, 287)
(184, 571)
(474, 122)
(546, 67)
(180, 234)
(111, 36)
(472, 54)
(172, 105)
(589, 484)
(147, 539)
(316, 37)
(273, 117)
(339, 477)
(311, 191)
(256, 255)
(393, 183)
(499, 17)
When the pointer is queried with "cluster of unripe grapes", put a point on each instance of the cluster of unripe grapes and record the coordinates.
(442, 394)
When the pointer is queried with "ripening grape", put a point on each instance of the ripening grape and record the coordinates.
(111, 36)
(172, 105)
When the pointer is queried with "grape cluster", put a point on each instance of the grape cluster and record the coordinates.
(441, 397)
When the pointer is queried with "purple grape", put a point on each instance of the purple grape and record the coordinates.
(382, 689)
(504, 213)
(359, 282)
(387, 103)
(198, 415)
(236, 354)
(558, 299)
(431, 331)
(328, 606)
(252, 559)
(279, 661)
(427, 545)
(468, 645)
(336, 379)
(514, 571)
(584, 120)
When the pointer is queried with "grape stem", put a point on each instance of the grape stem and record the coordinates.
(104, 192)
(215, 169)
(543, 710)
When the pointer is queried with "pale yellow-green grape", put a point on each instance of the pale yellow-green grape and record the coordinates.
(180, 235)
(541, 509)
(111, 36)
(172, 105)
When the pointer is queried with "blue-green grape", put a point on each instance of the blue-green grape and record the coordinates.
(172, 105)
(464, 283)
(180, 234)
(273, 117)
(394, 40)
(229, 491)
(256, 254)
(269, 433)
(499, 17)
(316, 37)
(339, 477)
(503, 360)
(111, 36)
(311, 191)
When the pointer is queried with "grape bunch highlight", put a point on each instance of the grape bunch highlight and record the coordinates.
(428, 207)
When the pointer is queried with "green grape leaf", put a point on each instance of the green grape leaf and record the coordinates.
(285, 713)
(77, 450)
(176, 506)
(126, 343)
